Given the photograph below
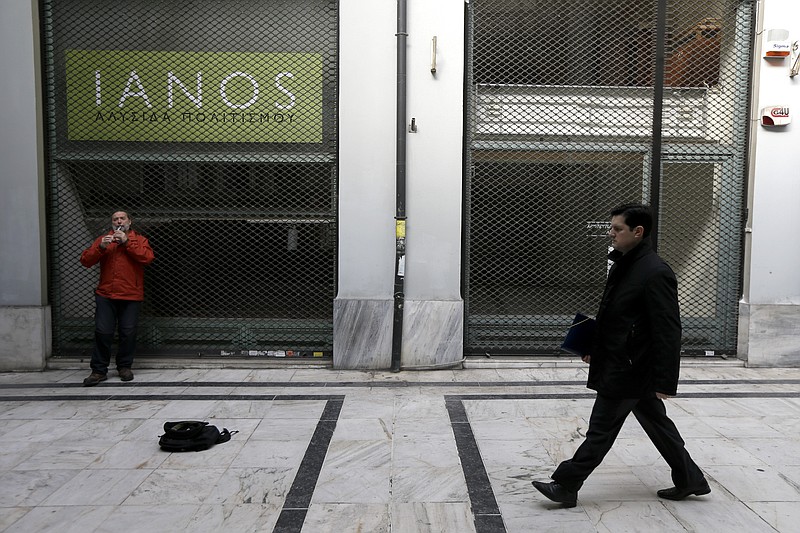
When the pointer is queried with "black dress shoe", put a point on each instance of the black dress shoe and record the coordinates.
(555, 492)
(677, 494)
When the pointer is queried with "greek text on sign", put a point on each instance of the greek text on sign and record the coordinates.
(123, 95)
(597, 228)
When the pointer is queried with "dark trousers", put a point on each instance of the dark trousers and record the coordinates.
(608, 415)
(110, 315)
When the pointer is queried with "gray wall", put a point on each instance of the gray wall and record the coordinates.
(771, 303)
(24, 323)
(769, 325)
(433, 316)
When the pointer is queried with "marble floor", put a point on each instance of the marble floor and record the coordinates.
(320, 450)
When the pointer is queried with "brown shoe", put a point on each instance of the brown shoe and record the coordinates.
(125, 374)
(93, 379)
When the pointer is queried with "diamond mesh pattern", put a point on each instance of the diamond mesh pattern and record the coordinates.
(561, 121)
(214, 124)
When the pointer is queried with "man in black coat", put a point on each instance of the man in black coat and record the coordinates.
(634, 363)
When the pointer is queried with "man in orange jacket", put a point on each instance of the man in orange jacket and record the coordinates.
(122, 253)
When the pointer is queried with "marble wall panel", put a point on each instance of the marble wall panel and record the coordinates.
(433, 334)
(362, 334)
(773, 332)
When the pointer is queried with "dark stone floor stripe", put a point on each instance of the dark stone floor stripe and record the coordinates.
(323, 397)
(489, 524)
(295, 507)
(290, 521)
(369, 384)
(591, 395)
(299, 496)
(155, 397)
(485, 512)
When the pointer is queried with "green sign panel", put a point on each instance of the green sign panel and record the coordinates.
(124, 95)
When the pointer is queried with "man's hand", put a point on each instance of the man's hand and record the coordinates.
(120, 237)
(106, 240)
(662, 396)
(586, 359)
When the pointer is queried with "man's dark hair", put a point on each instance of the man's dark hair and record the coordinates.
(635, 215)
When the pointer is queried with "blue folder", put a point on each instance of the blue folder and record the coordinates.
(580, 335)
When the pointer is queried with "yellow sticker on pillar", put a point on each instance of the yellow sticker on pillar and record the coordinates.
(400, 229)
(126, 95)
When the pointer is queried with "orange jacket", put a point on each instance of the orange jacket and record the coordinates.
(121, 266)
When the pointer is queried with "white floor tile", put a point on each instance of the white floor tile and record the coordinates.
(392, 463)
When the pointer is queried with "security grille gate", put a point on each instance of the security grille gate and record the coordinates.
(563, 101)
(213, 122)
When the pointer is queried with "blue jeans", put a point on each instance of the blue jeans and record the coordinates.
(122, 315)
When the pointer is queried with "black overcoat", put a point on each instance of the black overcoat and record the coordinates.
(637, 343)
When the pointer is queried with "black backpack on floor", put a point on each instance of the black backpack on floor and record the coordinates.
(191, 436)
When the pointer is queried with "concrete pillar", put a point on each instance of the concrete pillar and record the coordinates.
(24, 313)
(434, 310)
